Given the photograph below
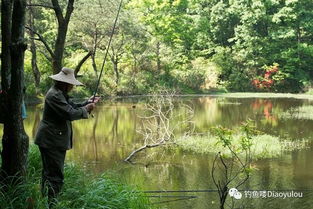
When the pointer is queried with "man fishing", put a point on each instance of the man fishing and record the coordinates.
(54, 135)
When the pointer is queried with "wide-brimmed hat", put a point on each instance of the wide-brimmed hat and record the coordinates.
(66, 75)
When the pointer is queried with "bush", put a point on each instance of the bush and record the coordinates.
(198, 75)
(239, 81)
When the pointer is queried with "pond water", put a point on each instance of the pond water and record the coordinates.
(101, 143)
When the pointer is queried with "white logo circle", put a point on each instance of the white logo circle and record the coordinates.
(233, 192)
(238, 196)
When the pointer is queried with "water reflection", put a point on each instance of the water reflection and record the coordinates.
(102, 142)
(265, 106)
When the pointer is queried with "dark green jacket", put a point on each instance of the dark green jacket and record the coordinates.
(55, 128)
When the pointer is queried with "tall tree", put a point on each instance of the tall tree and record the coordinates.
(15, 140)
(33, 47)
(116, 52)
(63, 19)
(95, 22)
(169, 22)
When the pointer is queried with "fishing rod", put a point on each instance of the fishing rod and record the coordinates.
(107, 51)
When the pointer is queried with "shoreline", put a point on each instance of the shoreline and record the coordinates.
(34, 101)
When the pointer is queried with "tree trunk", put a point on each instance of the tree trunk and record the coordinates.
(115, 67)
(115, 60)
(82, 61)
(57, 59)
(6, 24)
(94, 50)
(94, 65)
(33, 49)
(135, 62)
(158, 57)
(299, 42)
(15, 140)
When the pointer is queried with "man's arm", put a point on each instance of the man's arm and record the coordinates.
(64, 109)
(90, 100)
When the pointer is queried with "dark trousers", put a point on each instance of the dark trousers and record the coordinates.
(52, 172)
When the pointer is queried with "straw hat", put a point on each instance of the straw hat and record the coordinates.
(66, 75)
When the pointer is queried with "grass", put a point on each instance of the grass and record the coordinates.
(265, 95)
(303, 112)
(101, 192)
(263, 146)
(309, 91)
(81, 190)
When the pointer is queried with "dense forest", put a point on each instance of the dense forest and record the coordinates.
(193, 46)
(185, 46)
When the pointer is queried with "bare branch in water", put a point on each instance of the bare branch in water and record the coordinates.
(159, 124)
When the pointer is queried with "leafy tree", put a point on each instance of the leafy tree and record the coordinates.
(160, 38)
(168, 21)
(293, 38)
(63, 18)
(95, 19)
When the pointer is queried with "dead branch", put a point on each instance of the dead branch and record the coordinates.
(128, 159)
(159, 122)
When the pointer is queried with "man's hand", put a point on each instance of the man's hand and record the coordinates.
(89, 107)
(91, 100)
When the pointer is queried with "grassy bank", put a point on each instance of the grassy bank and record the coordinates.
(264, 95)
(302, 112)
(31, 99)
(263, 146)
(81, 190)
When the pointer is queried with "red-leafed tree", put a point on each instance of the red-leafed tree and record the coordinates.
(266, 81)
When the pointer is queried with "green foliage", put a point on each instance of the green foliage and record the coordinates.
(101, 192)
(239, 81)
(309, 91)
(224, 134)
(167, 20)
(191, 46)
(81, 190)
(24, 194)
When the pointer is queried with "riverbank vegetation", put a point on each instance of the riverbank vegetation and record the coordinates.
(191, 46)
(302, 112)
(81, 190)
(263, 145)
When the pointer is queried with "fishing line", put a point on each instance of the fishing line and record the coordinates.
(174, 200)
(179, 197)
(181, 191)
(107, 50)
